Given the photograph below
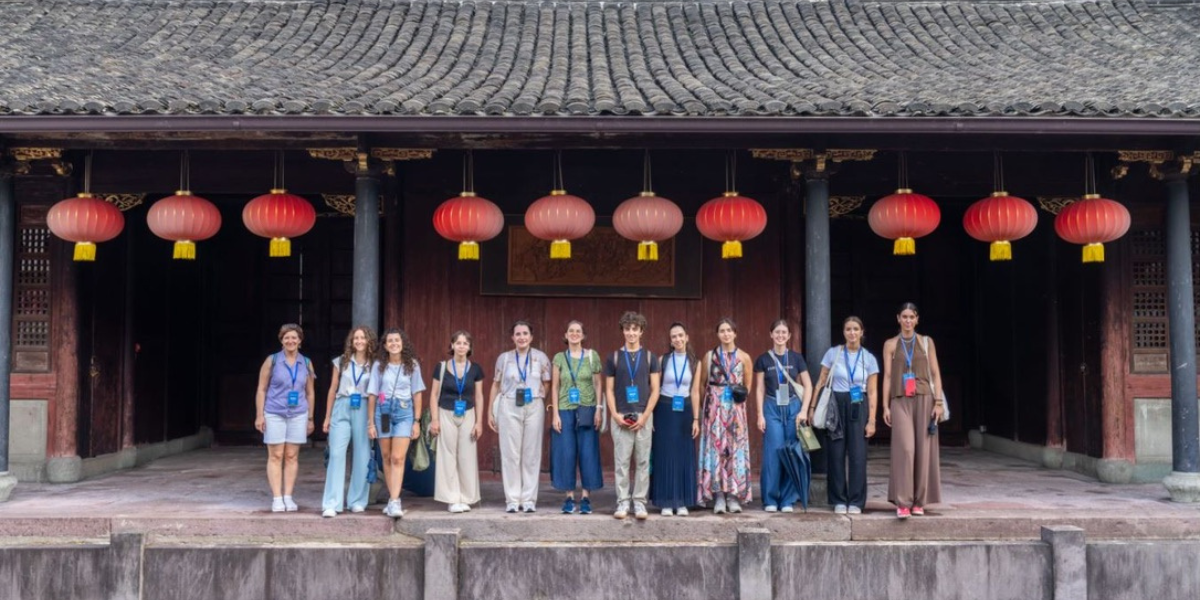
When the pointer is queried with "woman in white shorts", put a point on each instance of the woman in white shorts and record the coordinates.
(284, 404)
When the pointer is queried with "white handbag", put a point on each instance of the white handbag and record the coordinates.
(929, 368)
(821, 415)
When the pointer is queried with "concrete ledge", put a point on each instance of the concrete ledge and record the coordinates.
(64, 469)
(1106, 470)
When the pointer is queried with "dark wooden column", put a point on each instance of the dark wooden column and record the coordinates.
(365, 304)
(393, 248)
(818, 305)
(1184, 481)
(8, 230)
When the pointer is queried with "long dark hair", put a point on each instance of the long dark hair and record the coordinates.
(408, 355)
(470, 341)
(348, 350)
(908, 306)
(691, 353)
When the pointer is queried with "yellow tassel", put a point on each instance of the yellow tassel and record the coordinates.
(1001, 250)
(904, 246)
(185, 250)
(1093, 253)
(281, 247)
(560, 249)
(468, 251)
(731, 249)
(647, 251)
(85, 251)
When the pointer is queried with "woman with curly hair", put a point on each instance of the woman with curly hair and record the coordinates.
(393, 399)
(346, 422)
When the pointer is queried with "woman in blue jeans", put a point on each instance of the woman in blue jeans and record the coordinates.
(574, 437)
(393, 401)
(779, 404)
(852, 372)
(346, 422)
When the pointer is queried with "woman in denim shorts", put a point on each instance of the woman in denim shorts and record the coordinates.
(393, 398)
(284, 413)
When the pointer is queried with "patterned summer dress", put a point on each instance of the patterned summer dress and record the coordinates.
(724, 439)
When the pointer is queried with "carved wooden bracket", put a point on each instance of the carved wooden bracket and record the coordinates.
(24, 156)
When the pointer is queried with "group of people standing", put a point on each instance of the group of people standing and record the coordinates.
(648, 401)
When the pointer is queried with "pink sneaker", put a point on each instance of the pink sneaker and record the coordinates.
(917, 511)
(903, 512)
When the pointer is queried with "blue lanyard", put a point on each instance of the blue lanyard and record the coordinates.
(851, 368)
(908, 351)
(726, 362)
(293, 370)
(523, 374)
(355, 374)
(574, 371)
(675, 368)
(460, 381)
(633, 369)
(782, 375)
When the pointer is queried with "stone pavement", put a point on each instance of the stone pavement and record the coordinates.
(220, 495)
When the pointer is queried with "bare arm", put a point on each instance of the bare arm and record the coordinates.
(939, 392)
(696, 401)
(553, 398)
(872, 399)
(260, 396)
(610, 399)
(758, 401)
(334, 382)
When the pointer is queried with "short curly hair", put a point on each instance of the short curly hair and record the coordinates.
(632, 318)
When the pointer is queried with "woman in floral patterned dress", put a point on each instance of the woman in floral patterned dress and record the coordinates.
(725, 438)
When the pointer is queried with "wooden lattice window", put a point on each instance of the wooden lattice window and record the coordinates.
(31, 294)
(1148, 265)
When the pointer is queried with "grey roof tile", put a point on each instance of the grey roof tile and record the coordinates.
(678, 57)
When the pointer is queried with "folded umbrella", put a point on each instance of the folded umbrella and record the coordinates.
(797, 467)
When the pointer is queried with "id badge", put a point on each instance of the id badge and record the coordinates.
(631, 394)
(573, 396)
(528, 395)
(727, 397)
(293, 398)
(460, 407)
(856, 394)
(910, 384)
(355, 400)
(783, 395)
(519, 396)
(677, 403)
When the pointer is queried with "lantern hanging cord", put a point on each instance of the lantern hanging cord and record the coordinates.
(731, 171)
(560, 183)
(997, 171)
(1089, 174)
(469, 172)
(902, 174)
(87, 172)
(647, 184)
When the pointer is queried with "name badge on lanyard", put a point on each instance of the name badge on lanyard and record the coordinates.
(631, 391)
(524, 394)
(727, 397)
(293, 396)
(356, 397)
(783, 395)
(460, 407)
(573, 391)
(783, 391)
(856, 390)
(910, 380)
(677, 403)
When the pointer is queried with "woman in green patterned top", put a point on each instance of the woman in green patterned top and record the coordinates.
(575, 438)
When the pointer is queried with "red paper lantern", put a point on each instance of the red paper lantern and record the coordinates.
(279, 216)
(731, 219)
(1092, 221)
(648, 219)
(468, 219)
(904, 216)
(560, 218)
(1000, 219)
(184, 219)
(85, 220)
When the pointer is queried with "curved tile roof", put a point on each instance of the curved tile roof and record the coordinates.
(693, 57)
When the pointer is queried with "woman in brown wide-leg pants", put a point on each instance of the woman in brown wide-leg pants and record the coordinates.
(912, 405)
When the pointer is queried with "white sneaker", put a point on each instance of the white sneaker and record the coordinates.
(719, 506)
(681, 511)
(854, 510)
(329, 513)
(393, 509)
(622, 510)
(457, 508)
(840, 509)
(666, 512)
(511, 507)
(357, 509)
(733, 505)
(529, 507)
(787, 509)
(289, 504)
(639, 511)
(465, 507)
(770, 508)
(277, 504)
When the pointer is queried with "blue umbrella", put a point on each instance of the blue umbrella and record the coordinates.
(798, 467)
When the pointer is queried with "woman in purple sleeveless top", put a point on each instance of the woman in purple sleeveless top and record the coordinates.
(284, 413)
